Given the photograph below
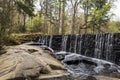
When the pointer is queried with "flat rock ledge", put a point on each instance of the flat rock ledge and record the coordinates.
(25, 62)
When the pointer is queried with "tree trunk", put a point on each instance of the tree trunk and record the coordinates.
(86, 16)
(60, 23)
(74, 18)
(63, 16)
(80, 29)
(24, 23)
(45, 18)
(73, 22)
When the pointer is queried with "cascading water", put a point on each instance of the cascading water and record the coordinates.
(101, 46)
(79, 44)
(75, 44)
(109, 47)
(43, 40)
(50, 41)
(64, 42)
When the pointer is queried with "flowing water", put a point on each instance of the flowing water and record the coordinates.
(85, 55)
(101, 46)
(64, 43)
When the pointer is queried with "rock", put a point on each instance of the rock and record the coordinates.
(90, 78)
(115, 75)
(98, 69)
(2, 50)
(83, 77)
(41, 45)
(27, 62)
(106, 78)
(77, 64)
(47, 48)
(0, 47)
(34, 43)
(61, 55)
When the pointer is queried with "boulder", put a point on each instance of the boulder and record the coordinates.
(29, 62)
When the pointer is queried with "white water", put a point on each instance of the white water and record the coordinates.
(99, 43)
(64, 42)
(50, 41)
(75, 43)
(81, 67)
(102, 45)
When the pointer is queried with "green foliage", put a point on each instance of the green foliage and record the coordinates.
(118, 24)
(113, 26)
(99, 14)
(36, 25)
(28, 9)
(9, 10)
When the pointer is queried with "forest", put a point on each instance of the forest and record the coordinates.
(56, 17)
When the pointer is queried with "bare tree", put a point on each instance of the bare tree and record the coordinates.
(63, 17)
(75, 4)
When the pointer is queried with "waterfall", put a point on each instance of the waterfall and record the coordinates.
(75, 44)
(64, 42)
(50, 41)
(46, 38)
(80, 44)
(101, 46)
(70, 43)
(108, 47)
(42, 40)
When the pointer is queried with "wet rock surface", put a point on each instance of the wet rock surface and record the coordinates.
(81, 66)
